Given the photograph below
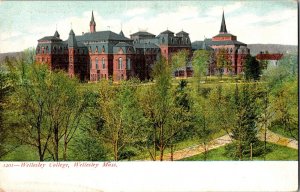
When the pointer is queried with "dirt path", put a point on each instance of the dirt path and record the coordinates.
(279, 139)
(197, 149)
(224, 140)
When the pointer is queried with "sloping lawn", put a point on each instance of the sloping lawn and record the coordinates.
(276, 153)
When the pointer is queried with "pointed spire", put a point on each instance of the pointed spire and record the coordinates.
(121, 33)
(223, 25)
(92, 24)
(92, 19)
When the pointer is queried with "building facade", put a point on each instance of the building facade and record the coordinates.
(107, 55)
(235, 51)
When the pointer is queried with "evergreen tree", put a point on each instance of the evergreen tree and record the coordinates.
(252, 68)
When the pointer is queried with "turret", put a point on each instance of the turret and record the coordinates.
(72, 44)
(56, 34)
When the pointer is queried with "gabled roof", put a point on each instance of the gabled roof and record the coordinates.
(182, 33)
(230, 42)
(121, 33)
(146, 46)
(142, 33)
(123, 44)
(201, 45)
(101, 35)
(49, 38)
(167, 32)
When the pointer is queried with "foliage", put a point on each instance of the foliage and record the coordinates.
(244, 131)
(122, 118)
(179, 60)
(223, 61)
(45, 108)
(252, 68)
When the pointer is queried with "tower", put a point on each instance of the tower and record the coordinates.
(72, 44)
(92, 24)
(223, 25)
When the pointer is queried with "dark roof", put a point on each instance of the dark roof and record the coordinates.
(123, 44)
(182, 33)
(234, 42)
(146, 46)
(121, 33)
(101, 35)
(142, 33)
(201, 45)
(71, 32)
(49, 38)
(56, 34)
(72, 40)
(223, 25)
(167, 32)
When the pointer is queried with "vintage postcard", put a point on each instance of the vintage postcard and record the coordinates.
(149, 96)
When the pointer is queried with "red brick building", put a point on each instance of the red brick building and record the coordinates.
(235, 51)
(104, 54)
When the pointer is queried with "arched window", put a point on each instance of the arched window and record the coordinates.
(91, 64)
(128, 64)
(96, 63)
(163, 40)
(120, 64)
(103, 49)
(103, 63)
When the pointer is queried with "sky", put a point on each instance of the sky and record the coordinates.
(252, 21)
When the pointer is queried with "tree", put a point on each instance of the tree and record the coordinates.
(28, 107)
(222, 61)
(179, 60)
(5, 89)
(252, 68)
(45, 108)
(244, 131)
(65, 106)
(122, 118)
(201, 63)
(182, 115)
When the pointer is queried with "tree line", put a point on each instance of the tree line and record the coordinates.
(59, 118)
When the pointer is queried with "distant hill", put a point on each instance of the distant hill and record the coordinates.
(272, 48)
(11, 54)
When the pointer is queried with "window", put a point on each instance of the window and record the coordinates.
(91, 64)
(120, 64)
(103, 63)
(97, 63)
(128, 64)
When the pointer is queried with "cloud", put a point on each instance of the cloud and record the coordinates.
(268, 27)
(217, 10)
(135, 12)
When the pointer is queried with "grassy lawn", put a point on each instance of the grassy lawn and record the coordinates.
(277, 152)
(280, 130)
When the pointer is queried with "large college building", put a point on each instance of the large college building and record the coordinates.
(104, 54)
